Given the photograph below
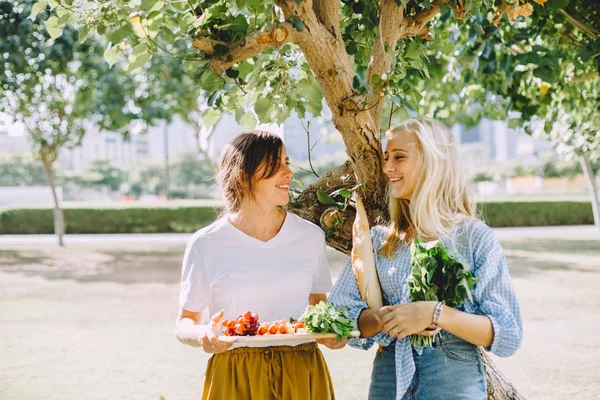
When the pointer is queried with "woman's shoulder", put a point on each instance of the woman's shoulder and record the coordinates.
(476, 235)
(479, 230)
(472, 228)
(208, 233)
(304, 225)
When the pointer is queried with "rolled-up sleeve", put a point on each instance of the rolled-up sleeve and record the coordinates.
(345, 293)
(493, 293)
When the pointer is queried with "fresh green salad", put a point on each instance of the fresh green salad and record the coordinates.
(437, 277)
(328, 318)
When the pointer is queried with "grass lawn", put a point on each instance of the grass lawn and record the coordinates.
(95, 322)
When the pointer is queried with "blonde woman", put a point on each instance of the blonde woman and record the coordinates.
(428, 198)
(256, 257)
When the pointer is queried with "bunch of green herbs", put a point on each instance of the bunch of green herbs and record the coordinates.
(436, 276)
(328, 318)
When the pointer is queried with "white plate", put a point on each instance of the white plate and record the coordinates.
(292, 337)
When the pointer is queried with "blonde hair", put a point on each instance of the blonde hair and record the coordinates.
(440, 199)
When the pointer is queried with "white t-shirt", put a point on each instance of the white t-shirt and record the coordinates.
(225, 269)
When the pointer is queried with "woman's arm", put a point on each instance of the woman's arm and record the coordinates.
(475, 329)
(189, 331)
(412, 318)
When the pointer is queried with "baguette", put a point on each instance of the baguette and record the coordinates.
(363, 259)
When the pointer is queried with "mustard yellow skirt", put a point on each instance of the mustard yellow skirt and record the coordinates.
(268, 373)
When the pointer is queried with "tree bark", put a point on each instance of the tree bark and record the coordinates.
(326, 54)
(498, 386)
(591, 181)
(59, 225)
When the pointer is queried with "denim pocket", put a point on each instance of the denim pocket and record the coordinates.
(459, 350)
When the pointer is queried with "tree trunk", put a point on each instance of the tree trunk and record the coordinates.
(308, 207)
(59, 225)
(498, 386)
(591, 180)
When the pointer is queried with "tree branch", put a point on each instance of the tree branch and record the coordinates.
(254, 43)
(417, 24)
(393, 26)
(391, 18)
(328, 12)
(331, 66)
(588, 30)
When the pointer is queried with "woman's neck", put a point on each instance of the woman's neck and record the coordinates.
(258, 222)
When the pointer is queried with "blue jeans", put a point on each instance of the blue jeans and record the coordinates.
(451, 369)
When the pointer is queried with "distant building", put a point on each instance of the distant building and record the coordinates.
(499, 143)
(12, 139)
(502, 143)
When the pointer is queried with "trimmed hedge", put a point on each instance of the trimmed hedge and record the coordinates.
(536, 213)
(109, 220)
(191, 218)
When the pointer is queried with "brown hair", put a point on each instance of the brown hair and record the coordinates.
(241, 159)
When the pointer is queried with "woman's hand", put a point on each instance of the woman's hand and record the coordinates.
(209, 336)
(402, 320)
(332, 343)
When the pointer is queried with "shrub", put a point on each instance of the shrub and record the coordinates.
(190, 218)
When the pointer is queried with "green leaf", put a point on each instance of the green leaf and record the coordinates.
(262, 107)
(297, 23)
(311, 91)
(238, 25)
(244, 68)
(324, 198)
(210, 80)
(112, 54)
(248, 121)
(84, 33)
(346, 193)
(210, 117)
(153, 25)
(158, 5)
(115, 36)
(54, 27)
(136, 24)
(413, 50)
(410, 111)
(147, 4)
(38, 8)
(138, 57)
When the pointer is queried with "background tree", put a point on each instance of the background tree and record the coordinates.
(361, 57)
(541, 73)
(20, 170)
(100, 174)
(57, 86)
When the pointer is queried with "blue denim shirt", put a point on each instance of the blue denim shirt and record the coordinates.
(472, 243)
